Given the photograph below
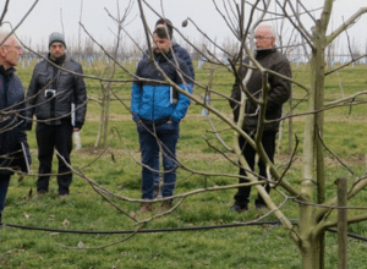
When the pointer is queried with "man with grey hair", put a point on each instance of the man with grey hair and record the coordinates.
(280, 89)
(14, 150)
(50, 97)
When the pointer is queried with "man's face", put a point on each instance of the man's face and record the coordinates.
(161, 44)
(264, 39)
(57, 49)
(10, 52)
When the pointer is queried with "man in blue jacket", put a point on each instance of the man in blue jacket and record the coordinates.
(14, 150)
(181, 53)
(158, 109)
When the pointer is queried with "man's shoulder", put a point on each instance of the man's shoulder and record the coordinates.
(179, 50)
(280, 56)
(72, 62)
(146, 61)
(40, 64)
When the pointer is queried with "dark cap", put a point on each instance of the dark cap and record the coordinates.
(56, 37)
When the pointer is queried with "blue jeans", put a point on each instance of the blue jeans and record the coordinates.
(4, 184)
(167, 135)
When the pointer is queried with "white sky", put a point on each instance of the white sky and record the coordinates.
(46, 18)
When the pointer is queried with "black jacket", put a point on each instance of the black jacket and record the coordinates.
(279, 93)
(12, 124)
(52, 91)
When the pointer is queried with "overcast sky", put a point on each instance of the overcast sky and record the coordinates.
(46, 18)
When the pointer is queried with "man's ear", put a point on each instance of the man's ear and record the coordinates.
(273, 41)
(2, 51)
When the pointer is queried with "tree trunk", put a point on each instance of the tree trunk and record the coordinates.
(311, 254)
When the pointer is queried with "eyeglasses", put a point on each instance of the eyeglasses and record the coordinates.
(16, 47)
(263, 37)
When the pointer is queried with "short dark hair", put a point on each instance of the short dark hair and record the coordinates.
(162, 33)
(167, 23)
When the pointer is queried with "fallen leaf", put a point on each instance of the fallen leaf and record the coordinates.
(54, 234)
(280, 238)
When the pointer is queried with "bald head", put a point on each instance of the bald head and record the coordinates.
(265, 37)
(10, 51)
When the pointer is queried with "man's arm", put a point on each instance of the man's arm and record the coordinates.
(183, 101)
(136, 95)
(280, 90)
(236, 93)
(80, 100)
(31, 99)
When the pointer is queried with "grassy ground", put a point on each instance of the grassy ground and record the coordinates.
(245, 247)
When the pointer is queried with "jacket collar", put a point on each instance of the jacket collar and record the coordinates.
(264, 52)
(162, 58)
(8, 72)
(58, 61)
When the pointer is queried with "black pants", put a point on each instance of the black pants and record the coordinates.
(268, 141)
(4, 184)
(48, 138)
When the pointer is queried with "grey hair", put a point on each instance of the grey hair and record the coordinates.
(272, 31)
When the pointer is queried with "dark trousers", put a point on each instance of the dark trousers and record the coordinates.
(168, 134)
(268, 141)
(4, 184)
(48, 138)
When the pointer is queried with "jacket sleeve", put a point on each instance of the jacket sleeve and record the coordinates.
(31, 99)
(183, 101)
(184, 55)
(136, 95)
(80, 99)
(280, 88)
(236, 92)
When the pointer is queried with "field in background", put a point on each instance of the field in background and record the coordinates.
(263, 246)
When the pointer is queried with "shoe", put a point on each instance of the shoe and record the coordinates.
(41, 192)
(239, 208)
(166, 205)
(145, 207)
(261, 206)
(62, 196)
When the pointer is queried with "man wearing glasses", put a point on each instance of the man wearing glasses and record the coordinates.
(14, 150)
(269, 58)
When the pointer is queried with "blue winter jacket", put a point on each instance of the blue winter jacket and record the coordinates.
(153, 101)
(12, 124)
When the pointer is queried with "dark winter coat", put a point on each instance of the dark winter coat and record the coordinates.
(69, 89)
(280, 90)
(12, 123)
(151, 101)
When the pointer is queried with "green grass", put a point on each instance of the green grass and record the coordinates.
(244, 247)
